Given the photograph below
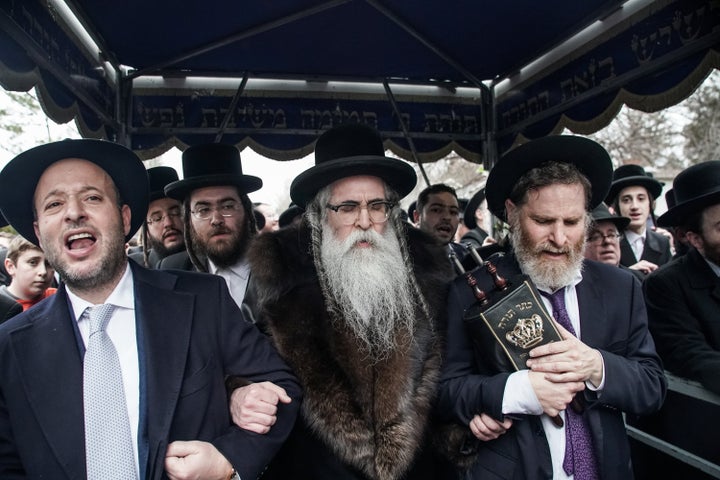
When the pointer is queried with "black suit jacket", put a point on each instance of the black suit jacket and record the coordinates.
(190, 336)
(656, 250)
(683, 301)
(614, 321)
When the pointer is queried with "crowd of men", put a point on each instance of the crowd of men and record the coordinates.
(331, 341)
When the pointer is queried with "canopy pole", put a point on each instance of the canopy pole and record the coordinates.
(406, 133)
(231, 108)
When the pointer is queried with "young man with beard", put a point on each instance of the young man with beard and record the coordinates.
(162, 230)
(121, 373)
(543, 189)
(219, 220)
(353, 298)
(437, 213)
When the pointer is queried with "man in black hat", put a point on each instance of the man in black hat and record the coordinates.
(632, 194)
(219, 218)
(684, 312)
(352, 297)
(682, 298)
(123, 369)
(473, 218)
(606, 360)
(603, 239)
(162, 230)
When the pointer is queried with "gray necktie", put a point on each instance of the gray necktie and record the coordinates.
(108, 441)
(579, 454)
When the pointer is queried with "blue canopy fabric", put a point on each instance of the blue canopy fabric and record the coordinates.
(471, 76)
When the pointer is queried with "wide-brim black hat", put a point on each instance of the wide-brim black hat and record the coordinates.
(630, 176)
(588, 156)
(20, 177)
(347, 151)
(602, 213)
(694, 188)
(212, 165)
(469, 215)
(159, 177)
(289, 215)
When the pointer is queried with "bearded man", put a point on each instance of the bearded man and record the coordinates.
(219, 220)
(544, 190)
(352, 297)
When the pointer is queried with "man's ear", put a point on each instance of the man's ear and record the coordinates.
(510, 207)
(416, 217)
(695, 240)
(10, 267)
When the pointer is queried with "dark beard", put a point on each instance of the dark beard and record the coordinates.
(159, 248)
(226, 254)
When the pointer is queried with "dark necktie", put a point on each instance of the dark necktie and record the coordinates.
(579, 454)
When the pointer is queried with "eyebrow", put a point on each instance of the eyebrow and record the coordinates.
(85, 189)
(222, 200)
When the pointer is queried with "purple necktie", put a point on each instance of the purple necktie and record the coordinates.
(579, 454)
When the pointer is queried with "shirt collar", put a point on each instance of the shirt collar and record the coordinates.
(122, 295)
(713, 266)
(240, 268)
(632, 236)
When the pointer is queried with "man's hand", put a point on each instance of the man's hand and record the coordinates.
(553, 397)
(567, 361)
(254, 407)
(644, 266)
(197, 461)
(486, 428)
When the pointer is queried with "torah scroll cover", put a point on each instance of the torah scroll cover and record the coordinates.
(518, 321)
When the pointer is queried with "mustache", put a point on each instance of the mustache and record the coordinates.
(171, 231)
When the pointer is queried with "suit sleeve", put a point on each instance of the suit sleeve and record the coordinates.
(247, 353)
(634, 378)
(678, 330)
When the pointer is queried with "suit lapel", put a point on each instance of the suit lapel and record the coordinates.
(165, 317)
(627, 257)
(50, 362)
(651, 251)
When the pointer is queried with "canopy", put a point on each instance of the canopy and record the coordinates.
(433, 76)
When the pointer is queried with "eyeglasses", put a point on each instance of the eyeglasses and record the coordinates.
(158, 217)
(598, 237)
(348, 213)
(227, 210)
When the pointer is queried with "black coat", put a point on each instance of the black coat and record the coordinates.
(656, 250)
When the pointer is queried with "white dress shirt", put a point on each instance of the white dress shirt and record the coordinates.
(637, 242)
(236, 277)
(121, 329)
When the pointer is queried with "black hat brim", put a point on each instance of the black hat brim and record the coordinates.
(20, 177)
(400, 176)
(469, 214)
(589, 157)
(620, 222)
(288, 215)
(653, 186)
(180, 189)
(677, 215)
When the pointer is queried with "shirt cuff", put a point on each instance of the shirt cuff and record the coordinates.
(519, 396)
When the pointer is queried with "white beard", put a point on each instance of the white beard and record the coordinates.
(370, 287)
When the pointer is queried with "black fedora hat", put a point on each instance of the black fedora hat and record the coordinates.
(259, 219)
(629, 176)
(601, 213)
(289, 215)
(469, 215)
(20, 177)
(695, 188)
(346, 151)
(159, 177)
(588, 156)
(211, 165)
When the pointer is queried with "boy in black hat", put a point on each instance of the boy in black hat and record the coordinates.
(544, 189)
(632, 194)
(162, 230)
(219, 218)
(352, 297)
(123, 369)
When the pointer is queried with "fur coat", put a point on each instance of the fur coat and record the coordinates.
(359, 420)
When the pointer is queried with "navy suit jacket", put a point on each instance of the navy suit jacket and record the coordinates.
(614, 321)
(656, 250)
(190, 336)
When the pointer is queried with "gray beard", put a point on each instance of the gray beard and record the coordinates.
(369, 288)
(546, 275)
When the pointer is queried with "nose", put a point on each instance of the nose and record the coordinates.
(363, 220)
(217, 218)
(74, 209)
(557, 234)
